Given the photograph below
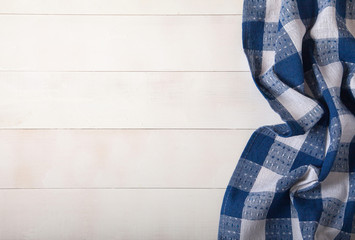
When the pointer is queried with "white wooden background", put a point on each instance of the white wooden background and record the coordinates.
(121, 119)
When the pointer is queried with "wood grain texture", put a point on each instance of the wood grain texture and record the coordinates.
(121, 119)
(121, 43)
(110, 214)
(132, 100)
(122, 6)
(119, 158)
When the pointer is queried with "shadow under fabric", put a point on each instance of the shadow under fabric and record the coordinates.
(296, 180)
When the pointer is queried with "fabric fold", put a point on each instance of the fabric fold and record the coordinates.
(296, 180)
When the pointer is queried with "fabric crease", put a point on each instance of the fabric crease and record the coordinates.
(296, 180)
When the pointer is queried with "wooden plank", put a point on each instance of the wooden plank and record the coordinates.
(110, 214)
(119, 158)
(121, 43)
(132, 100)
(122, 7)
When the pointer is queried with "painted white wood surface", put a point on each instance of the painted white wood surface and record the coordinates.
(113, 214)
(121, 43)
(132, 100)
(119, 158)
(75, 78)
(122, 6)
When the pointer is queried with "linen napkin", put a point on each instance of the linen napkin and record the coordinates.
(296, 180)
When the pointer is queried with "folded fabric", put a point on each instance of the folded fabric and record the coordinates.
(296, 180)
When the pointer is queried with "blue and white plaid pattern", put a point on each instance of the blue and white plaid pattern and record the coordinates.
(297, 180)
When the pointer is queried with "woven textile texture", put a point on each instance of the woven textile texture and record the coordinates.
(296, 180)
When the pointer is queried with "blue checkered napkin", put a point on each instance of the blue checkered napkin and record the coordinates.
(297, 180)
